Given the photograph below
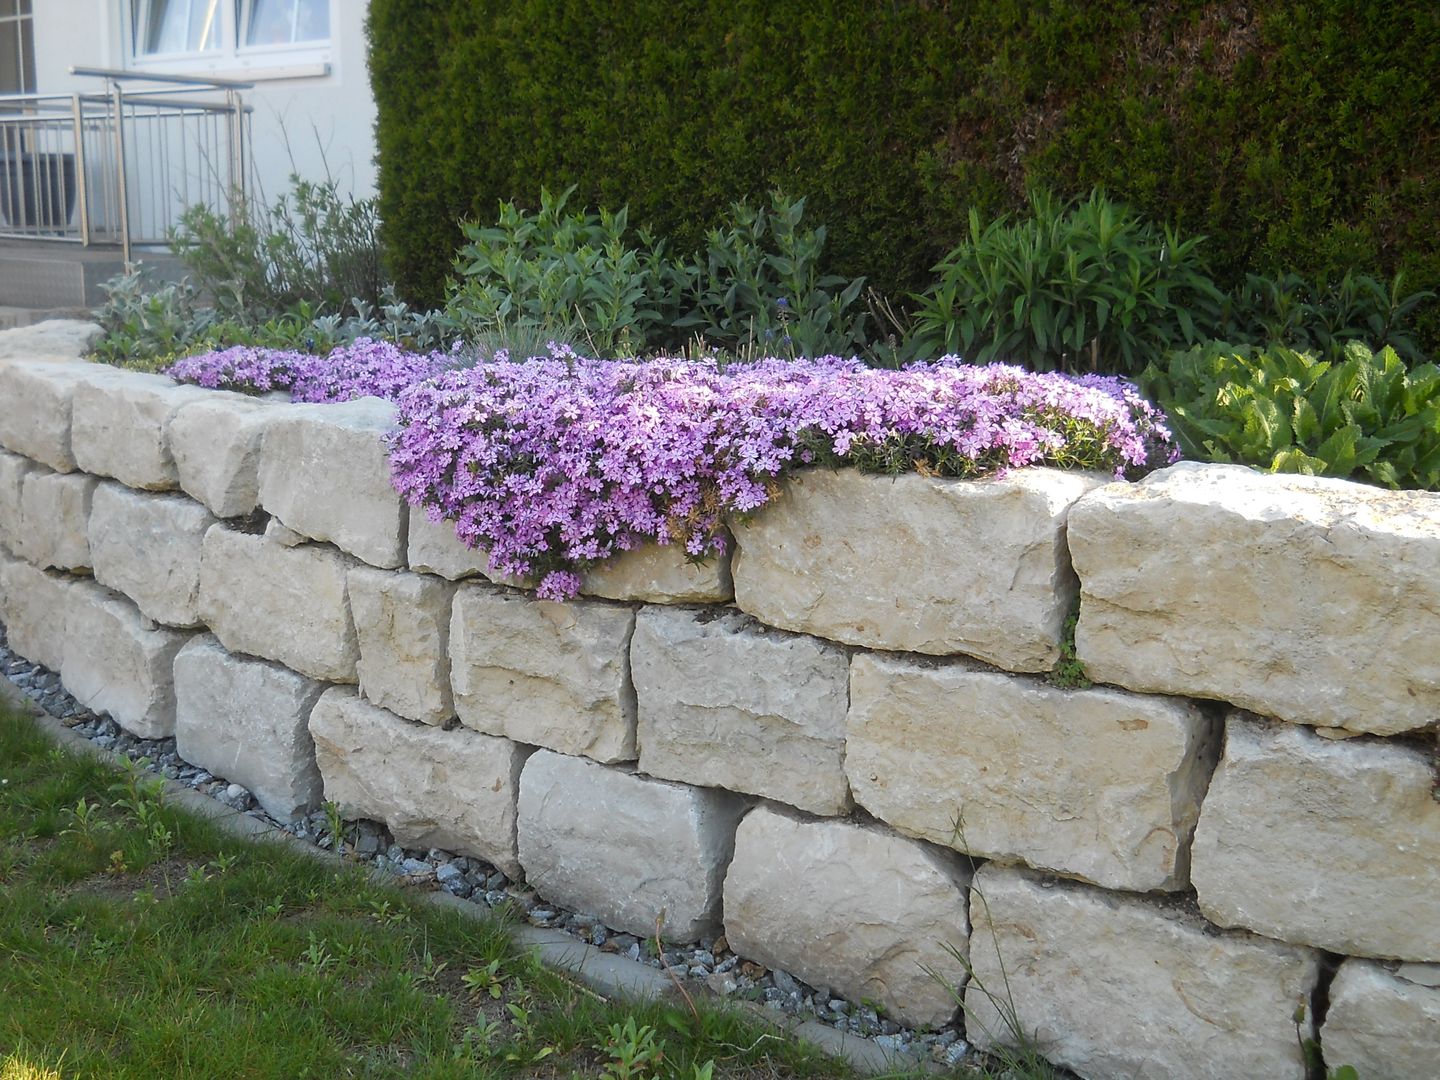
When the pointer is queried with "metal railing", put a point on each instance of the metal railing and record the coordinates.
(120, 166)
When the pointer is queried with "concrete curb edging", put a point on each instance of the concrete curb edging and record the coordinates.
(608, 974)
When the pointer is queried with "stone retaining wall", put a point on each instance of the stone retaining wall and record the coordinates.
(837, 747)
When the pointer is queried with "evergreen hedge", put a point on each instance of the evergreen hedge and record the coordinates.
(1298, 135)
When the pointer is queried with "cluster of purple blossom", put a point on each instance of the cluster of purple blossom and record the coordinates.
(559, 462)
(364, 368)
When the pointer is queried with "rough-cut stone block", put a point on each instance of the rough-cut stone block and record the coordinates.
(13, 470)
(544, 673)
(248, 721)
(453, 790)
(628, 849)
(1117, 987)
(1331, 844)
(852, 907)
(402, 622)
(148, 547)
(216, 445)
(55, 519)
(1384, 1025)
(325, 472)
(37, 399)
(916, 563)
(116, 661)
(728, 704)
(34, 612)
(660, 574)
(61, 338)
(1311, 599)
(435, 549)
(120, 427)
(1099, 784)
(285, 604)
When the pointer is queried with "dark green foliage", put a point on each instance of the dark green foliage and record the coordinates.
(1363, 416)
(1087, 286)
(1297, 135)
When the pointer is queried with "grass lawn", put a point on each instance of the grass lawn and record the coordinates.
(139, 941)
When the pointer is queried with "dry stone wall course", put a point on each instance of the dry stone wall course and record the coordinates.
(725, 703)
(916, 563)
(249, 721)
(1100, 784)
(38, 398)
(119, 662)
(148, 547)
(278, 603)
(851, 907)
(13, 470)
(55, 519)
(216, 443)
(454, 790)
(120, 427)
(1332, 844)
(547, 674)
(402, 624)
(1118, 987)
(34, 611)
(1310, 599)
(1383, 1024)
(631, 850)
(325, 473)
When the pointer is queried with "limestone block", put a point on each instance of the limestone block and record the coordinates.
(1331, 844)
(435, 549)
(660, 574)
(215, 441)
(544, 673)
(1311, 599)
(13, 470)
(37, 397)
(117, 661)
(34, 612)
(55, 519)
(453, 790)
(1118, 987)
(628, 849)
(325, 472)
(60, 338)
(248, 721)
(120, 427)
(917, 563)
(402, 623)
(148, 547)
(1384, 1025)
(284, 604)
(725, 703)
(1099, 783)
(852, 907)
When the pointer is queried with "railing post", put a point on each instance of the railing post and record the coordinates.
(117, 98)
(82, 184)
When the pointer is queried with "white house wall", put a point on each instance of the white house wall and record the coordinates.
(312, 124)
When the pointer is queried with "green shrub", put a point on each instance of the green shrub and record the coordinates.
(1364, 416)
(757, 287)
(1297, 135)
(1086, 285)
(310, 246)
(574, 271)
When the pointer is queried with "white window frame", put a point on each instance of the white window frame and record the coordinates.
(232, 57)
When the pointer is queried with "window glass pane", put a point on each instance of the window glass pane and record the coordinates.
(179, 26)
(283, 22)
(7, 7)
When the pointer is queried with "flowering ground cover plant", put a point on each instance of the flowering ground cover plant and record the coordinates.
(558, 462)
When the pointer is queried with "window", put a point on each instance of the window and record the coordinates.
(215, 35)
(17, 48)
